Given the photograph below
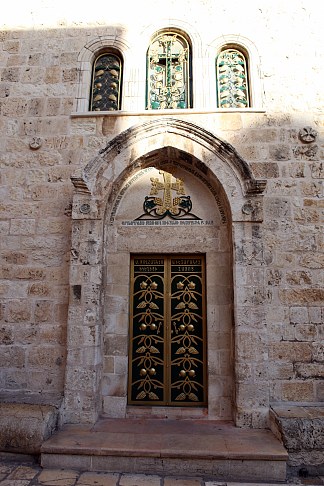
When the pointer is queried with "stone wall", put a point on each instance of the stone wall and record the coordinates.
(47, 136)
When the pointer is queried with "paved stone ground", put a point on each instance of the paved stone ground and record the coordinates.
(25, 472)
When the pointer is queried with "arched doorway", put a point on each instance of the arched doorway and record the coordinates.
(168, 318)
(109, 199)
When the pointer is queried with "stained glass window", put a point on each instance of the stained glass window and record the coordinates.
(106, 83)
(168, 72)
(232, 79)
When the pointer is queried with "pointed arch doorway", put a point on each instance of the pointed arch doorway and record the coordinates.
(107, 229)
(170, 233)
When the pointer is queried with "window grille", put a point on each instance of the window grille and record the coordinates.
(232, 79)
(168, 72)
(106, 83)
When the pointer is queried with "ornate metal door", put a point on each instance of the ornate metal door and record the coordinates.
(167, 355)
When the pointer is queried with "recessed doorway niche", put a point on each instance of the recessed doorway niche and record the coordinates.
(164, 211)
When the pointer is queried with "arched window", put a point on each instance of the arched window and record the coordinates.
(232, 79)
(168, 72)
(106, 83)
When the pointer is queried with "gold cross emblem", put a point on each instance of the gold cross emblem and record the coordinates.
(166, 203)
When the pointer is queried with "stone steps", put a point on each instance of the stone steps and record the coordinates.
(168, 447)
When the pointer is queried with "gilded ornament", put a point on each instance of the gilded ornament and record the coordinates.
(182, 373)
(143, 372)
(114, 73)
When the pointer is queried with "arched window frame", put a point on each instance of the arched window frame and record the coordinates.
(236, 69)
(254, 67)
(114, 42)
(167, 99)
(106, 81)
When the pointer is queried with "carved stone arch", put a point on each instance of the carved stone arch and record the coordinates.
(220, 169)
(116, 40)
(179, 25)
(213, 152)
(165, 159)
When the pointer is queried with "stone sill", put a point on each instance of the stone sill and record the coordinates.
(89, 114)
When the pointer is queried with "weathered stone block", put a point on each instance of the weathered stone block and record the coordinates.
(295, 391)
(44, 357)
(24, 427)
(43, 311)
(300, 428)
(299, 277)
(280, 152)
(266, 170)
(19, 311)
(310, 370)
(301, 296)
(290, 351)
(114, 385)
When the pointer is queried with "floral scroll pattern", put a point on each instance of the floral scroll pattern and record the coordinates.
(168, 77)
(106, 84)
(167, 347)
(148, 341)
(232, 79)
(187, 341)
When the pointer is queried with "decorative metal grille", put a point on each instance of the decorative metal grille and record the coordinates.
(106, 83)
(168, 72)
(232, 80)
(167, 359)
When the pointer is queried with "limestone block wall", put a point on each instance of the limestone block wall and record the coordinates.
(47, 136)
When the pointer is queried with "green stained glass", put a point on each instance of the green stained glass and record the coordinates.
(232, 80)
(168, 72)
(106, 83)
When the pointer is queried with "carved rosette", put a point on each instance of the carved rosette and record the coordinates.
(307, 134)
(308, 150)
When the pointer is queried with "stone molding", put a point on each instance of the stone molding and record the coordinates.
(225, 151)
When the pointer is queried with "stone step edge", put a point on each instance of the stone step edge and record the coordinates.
(208, 455)
(234, 470)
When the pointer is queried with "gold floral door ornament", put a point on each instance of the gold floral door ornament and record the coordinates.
(167, 356)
